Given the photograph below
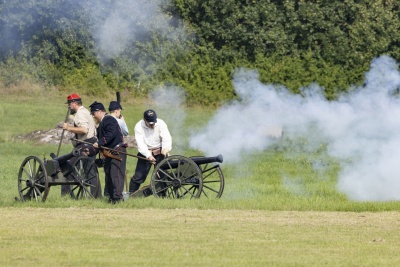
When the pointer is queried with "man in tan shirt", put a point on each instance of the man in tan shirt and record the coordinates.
(84, 125)
(84, 129)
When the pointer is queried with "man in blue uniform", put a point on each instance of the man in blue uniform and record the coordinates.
(109, 135)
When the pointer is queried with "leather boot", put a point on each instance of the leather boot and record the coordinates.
(133, 186)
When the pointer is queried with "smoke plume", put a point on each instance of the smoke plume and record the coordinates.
(169, 105)
(129, 21)
(361, 129)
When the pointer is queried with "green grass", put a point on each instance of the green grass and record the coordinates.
(277, 208)
(190, 237)
(280, 178)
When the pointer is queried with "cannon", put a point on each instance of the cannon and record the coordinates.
(36, 176)
(185, 177)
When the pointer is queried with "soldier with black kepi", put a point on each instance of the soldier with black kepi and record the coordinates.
(115, 111)
(85, 130)
(154, 143)
(109, 135)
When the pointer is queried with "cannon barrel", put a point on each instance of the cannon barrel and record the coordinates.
(205, 160)
(63, 158)
(58, 164)
(198, 160)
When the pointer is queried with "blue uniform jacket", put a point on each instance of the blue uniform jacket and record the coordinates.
(108, 133)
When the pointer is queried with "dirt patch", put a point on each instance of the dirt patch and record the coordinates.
(53, 137)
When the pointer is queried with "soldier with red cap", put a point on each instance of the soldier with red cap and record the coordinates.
(84, 129)
(84, 125)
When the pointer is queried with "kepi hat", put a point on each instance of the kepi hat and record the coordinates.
(150, 116)
(96, 106)
(114, 105)
(73, 98)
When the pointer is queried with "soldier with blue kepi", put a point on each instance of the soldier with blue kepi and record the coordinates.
(109, 135)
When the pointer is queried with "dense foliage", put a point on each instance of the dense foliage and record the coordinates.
(136, 45)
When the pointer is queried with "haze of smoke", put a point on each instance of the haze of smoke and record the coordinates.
(361, 128)
(129, 21)
(295, 186)
(169, 102)
(114, 25)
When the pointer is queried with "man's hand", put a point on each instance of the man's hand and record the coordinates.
(85, 152)
(152, 159)
(96, 145)
(65, 126)
(165, 151)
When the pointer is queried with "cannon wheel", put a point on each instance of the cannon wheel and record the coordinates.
(87, 177)
(213, 180)
(33, 182)
(177, 177)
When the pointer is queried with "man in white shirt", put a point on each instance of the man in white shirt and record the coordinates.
(154, 142)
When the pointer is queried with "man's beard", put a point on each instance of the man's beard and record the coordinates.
(72, 111)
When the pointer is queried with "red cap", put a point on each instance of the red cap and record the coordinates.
(72, 98)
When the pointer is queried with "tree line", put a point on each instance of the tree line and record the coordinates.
(136, 45)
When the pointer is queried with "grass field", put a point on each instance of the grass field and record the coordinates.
(262, 219)
(192, 237)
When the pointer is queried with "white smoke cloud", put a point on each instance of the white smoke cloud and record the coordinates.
(129, 21)
(361, 129)
(169, 104)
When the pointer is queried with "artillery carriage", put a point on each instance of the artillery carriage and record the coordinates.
(182, 177)
(174, 177)
(36, 176)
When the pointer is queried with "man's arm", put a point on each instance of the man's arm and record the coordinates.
(76, 130)
(139, 137)
(110, 126)
(166, 139)
(82, 125)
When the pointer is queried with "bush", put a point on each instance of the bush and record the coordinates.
(87, 80)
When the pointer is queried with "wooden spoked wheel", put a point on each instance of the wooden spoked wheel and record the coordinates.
(33, 181)
(86, 176)
(213, 180)
(177, 177)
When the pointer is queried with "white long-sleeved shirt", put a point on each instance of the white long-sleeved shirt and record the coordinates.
(151, 138)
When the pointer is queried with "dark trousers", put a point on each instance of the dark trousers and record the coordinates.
(95, 189)
(114, 171)
(122, 169)
(142, 170)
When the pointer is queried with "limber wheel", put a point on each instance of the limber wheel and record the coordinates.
(177, 177)
(213, 180)
(33, 180)
(86, 176)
